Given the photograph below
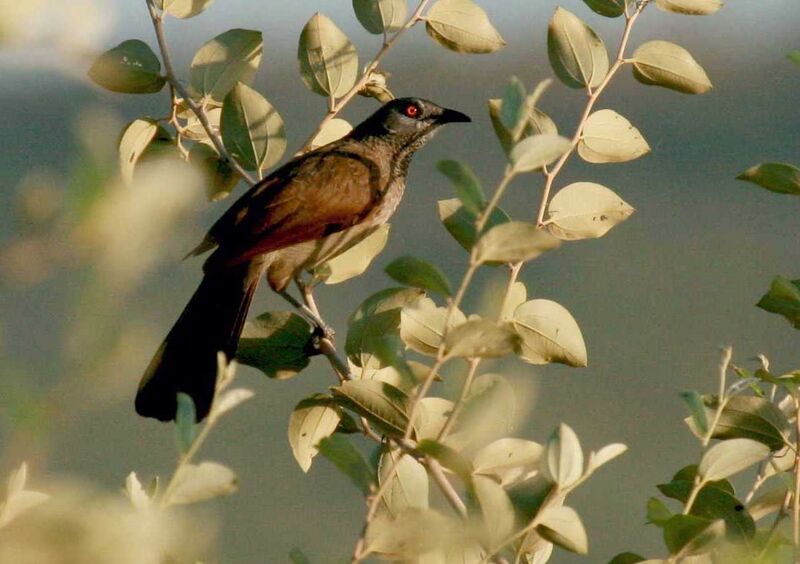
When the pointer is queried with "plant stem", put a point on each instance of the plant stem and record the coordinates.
(551, 174)
(444, 484)
(451, 419)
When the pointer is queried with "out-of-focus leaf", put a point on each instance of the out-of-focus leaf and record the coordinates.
(730, 457)
(298, 557)
(746, 417)
(562, 460)
(782, 178)
(537, 122)
(228, 58)
(221, 179)
(481, 338)
(585, 210)
(185, 419)
(512, 107)
(341, 452)
(577, 54)
(312, 420)
(766, 503)
(183, 8)
(18, 499)
(508, 460)
(627, 557)
(783, 298)
(422, 325)
(467, 186)
(379, 402)
(536, 151)
(657, 512)
(517, 295)
(433, 415)
(409, 487)
(549, 334)
(460, 222)
(496, 508)
(131, 67)
(449, 458)
(607, 137)
(230, 399)
(563, 527)
(609, 9)
(515, 241)
(328, 60)
(381, 16)
(605, 455)
(697, 409)
(413, 271)
(135, 492)
(662, 63)
(355, 260)
(713, 503)
(199, 482)
(794, 56)
(414, 533)
(690, 7)
(462, 26)
(489, 412)
(134, 142)
(332, 131)
(252, 129)
(689, 534)
(278, 343)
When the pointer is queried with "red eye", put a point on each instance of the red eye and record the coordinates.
(412, 110)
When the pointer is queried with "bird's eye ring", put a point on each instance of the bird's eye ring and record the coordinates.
(412, 110)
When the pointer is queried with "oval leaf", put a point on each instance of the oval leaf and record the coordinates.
(730, 457)
(199, 482)
(690, 7)
(536, 151)
(687, 533)
(328, 60)
(496, 508)
(562, 460)
(515, 241)
(662, 63)
(332, 131)
(381, 16)
(468, 187)
(782, 178)
(608, 137)
(745, 417)
(341, 452)
(252, 129)
(230, 57)
(312, 420)
(563, 527)
(585, 210)
(413, 271)
(607, 8)
(577, 54)
(409, 482)
(135, 139)
(549, 334)
(508, 460)
(481, 338)
(278, 343)
(355, 260)
(462, 26)
(131, 67)
(380, 402)
(422, 325)
(184, 8)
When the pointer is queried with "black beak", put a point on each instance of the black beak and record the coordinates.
(452, 116)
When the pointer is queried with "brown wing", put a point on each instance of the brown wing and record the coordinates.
(306, 199)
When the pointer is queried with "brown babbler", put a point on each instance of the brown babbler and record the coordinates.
(304, 213)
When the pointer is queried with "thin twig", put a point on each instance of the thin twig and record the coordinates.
(444, 484)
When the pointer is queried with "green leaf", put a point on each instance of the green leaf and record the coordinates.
(449, 458)
(379, 402)
(731, 457)
(697, 408)
(626, 557)
(563, 527)
(577, 54)
(467, 186)
(296, 556)
(419, 273)
(312, 420)
(607, 137)
(657, 512)
(185, 419)
(252, 129)
(585, 210)
(381, 16)
(783, 298)
(515, 241)
(794, 56)
(460, 222)
(776, 177)
(508, 460)
(609, 9)
(549, 334)
(136, 138)
(662, 63)
(713, 502)
(341, 452)
(377, 318)
(422, 325)
(537, 123)
(496, 509)
(688, 534)
(409, 481)
(278, 343)
(462, 26)
(199, 482)
(536, 151)
(131, 67)
(562, 460)
(512, 107)
(481, 338)
(690, 7)
(183, 9)
(328, 60)
(488, 413)
(355, 260)
(228, 58)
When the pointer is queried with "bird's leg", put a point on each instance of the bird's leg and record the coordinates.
(307, 291)
(312, 318)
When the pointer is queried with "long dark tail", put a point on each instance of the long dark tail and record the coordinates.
(187, 359)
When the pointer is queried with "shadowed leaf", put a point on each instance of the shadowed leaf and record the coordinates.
(381, 16)
(131, 67)
(252, 129)
(341, 452)
(413, 271)
(277, 343)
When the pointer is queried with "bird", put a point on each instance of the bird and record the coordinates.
(304, 213)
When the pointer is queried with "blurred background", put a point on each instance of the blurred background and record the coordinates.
(85, 300)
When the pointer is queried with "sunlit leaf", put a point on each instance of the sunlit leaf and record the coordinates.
(585, 210)
(278, 343)
(783, 298)
(231, 399)
(549, 334)
(607, 8)
(688, 533)
(131, 67)
(777, 177)
(341, 452)
(252, 129)
(199, 482)
(537, 151)
(607, 137)
(690, 7)
(481, 338)
(489, 412)
(134, 142)
(381, 16)
(184, 8)
(411, 534)
(563, 527)
(433, 416)
(135, 492)
(605, 455)
(662, 63)
(460, 222)
(328, 60)
(422, 325)
(409, 481)
(462, 26)
(517, 295)
(508, 460)
(730, 457)
(355, 260)
(577, 54)
(228, 58)
(312, 420)
(333, 130)
(379, 402)
(766, 503)
(515, 241)
(496, 508)
(467, 186)
(413, 271)
(562, 460)
(449, 458)
(18, 499)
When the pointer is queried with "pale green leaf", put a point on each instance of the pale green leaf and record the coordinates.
(515, 241)
(782, 178)
(312, 420)
(496, 508)
(585, 210)
(604, 456)
(409, 481)
(607, 137)
(379, 402)
(433, 415)
(381, 16)
(135, 139)
(184, 8)
(462, 26)
(412, 533)
(355, 260)
(422, 325)
(730, 457)
(413, 271)
(278, 343)
(563, 527)
(549, 334)
(577, 54)
(230, 399)
(228, 58)
(517, 295)
(508, 460)
(328, 60)
(489, 412)
(131, 67)
(662, 63)
(481, 338)
(562, 460)
(333, 130)
(467, 186)
(536, 151)
(690, 7)
(199, 482)
(538, 122)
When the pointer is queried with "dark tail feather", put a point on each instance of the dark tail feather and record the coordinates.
(187, 359)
